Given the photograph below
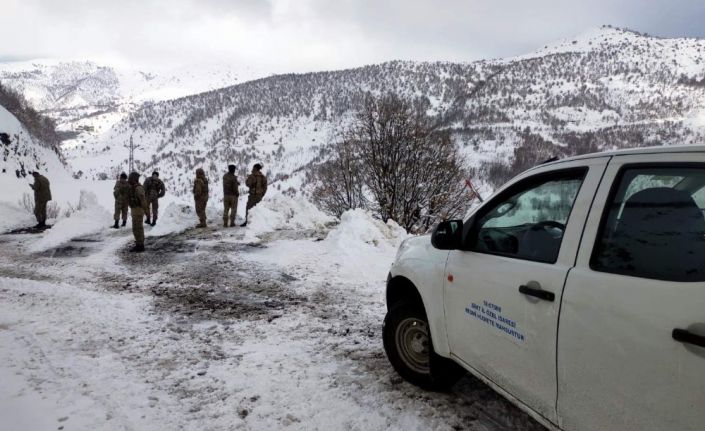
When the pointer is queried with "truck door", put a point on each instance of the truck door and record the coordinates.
(631, 343)
(503, 292)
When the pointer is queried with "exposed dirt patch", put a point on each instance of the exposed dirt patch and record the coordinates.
(27, 230)
(69, 250)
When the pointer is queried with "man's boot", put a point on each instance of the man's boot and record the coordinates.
(138, 248)
(154, 221)
(124, 222)
(247, 213)
(147, 221)
(225, 223)
(115, 226)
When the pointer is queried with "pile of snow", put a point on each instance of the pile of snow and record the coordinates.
(358, 230)
(284, 213)
(89, 218)
(176, 217)
(359, 248)
(362, 247)
(14, 217)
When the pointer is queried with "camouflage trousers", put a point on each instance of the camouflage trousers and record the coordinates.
(40, 211)
(201, 210)
(253, 200)
(138, 224)
(229, 209)
(120, 210)
(153, 208)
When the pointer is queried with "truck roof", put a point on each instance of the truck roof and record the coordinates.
(636, 151)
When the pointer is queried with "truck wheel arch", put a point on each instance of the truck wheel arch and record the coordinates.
(399, 289)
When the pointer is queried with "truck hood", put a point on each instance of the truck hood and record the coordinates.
(418, 247)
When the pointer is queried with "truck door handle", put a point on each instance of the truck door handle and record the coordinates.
(685, 336)
(538, 293)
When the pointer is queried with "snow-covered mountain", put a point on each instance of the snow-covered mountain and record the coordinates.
(63, 87)
(87, 98)
(607, 88)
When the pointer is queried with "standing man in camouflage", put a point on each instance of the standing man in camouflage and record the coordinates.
(231, 193)
(138, 207)
(200, 196)
(121, 192)
(42, 195)
(154, 189)
(257, 184)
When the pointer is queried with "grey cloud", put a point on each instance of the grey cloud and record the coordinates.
(297, 35)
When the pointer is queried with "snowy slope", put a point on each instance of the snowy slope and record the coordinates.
(87, 98)
(281, 121)
(86, 203)
(23, 154)
(606, 88)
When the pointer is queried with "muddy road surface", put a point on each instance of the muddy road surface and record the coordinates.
(201, 332)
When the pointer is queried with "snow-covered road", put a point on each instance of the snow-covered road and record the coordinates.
(210, 331)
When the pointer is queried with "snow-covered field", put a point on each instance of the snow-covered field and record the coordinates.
(272, 326)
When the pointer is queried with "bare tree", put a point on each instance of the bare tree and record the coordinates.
(393, 152)
(340, 181)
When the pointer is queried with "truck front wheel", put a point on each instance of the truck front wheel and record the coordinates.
(407, 342)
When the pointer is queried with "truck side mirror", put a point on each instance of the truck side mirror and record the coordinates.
(448, 235)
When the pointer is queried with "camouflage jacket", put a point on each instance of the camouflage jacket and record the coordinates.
(137, 198)
(200, 188)
(154, 188)
(42, 190)
(257, 183)
(230, 185)
(121, 191)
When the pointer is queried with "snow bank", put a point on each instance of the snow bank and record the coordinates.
(174, 218)
(90, 218)
(359, 248)
(362, 247)
(284, 213)
(14, 217)
(358, 230)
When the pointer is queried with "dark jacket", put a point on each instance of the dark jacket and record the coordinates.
(200, 185)
(230, 185)
(42, 190)
(121, 191)
(257, 183)
(154, 188)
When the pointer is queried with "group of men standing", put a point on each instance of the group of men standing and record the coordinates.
(153, 190)
(143, 200)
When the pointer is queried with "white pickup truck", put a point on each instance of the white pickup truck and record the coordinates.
(577, 292)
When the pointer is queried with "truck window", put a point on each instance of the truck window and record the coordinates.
(529, 220)
(654, 225)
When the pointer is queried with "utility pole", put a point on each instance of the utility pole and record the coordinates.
(131, 159)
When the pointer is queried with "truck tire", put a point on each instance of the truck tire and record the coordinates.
(407, 342)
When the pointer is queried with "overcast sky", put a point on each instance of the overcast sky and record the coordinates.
(305, 35)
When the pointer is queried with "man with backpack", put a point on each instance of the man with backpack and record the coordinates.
(138, 207)
(154, 189)
(231, 193)
(257, 184)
